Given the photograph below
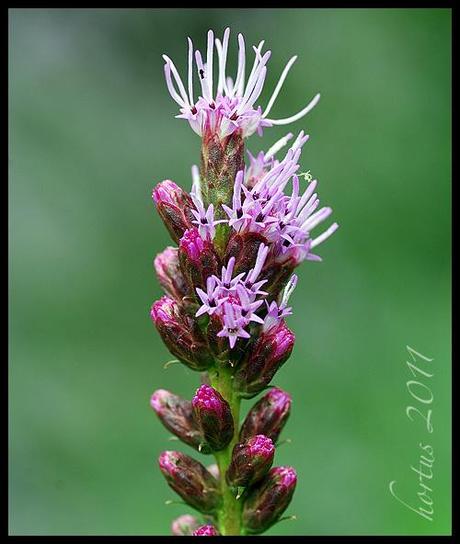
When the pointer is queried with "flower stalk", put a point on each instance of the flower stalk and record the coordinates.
(230, 513)
(240, 233)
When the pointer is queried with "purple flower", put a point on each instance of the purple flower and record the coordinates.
(277, 312)
(260, 205)
(234, 300)
(250, 281)
(226, 282)
(236, 215)
(226, 105)
(234, 324)
(204, 219)
(211, 299)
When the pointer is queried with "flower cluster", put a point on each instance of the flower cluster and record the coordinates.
(240, 233)
(227, 105)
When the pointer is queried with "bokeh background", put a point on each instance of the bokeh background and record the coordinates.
(92, 129)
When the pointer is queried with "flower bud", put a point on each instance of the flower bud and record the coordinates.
(176, 414)
(251, 460)
(179, 334)
(221, 159)
(268, 500)
(173, 205)
(198, 259)
(189, 479)
(169, 273)
(184, 525)
(268, 353)
(214, 417)
(268, 416)
(277, 276)
(206, 530)
(244, 247)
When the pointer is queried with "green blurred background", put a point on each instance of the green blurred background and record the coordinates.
(92, 129)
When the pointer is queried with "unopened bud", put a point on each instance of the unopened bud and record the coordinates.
(217, 344)
(221, 159)
(184, 525)
(268, 416)
(169, 273)
(176, 414)
(268, 500)
(268, 353)
(206, 530)
(189, 479)
(244, 247)
(174, 207)
(214, 417)
(198, 259)
(251, 460)
(179, 334)
(277, 276)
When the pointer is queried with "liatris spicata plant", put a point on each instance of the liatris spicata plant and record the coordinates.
(241, 232)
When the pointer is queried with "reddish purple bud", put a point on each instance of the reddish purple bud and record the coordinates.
(176, 414)
(251, 460)
(214, 417)
(174, 207)
(169, 273)
(198, 259)
(180, 335)
(244, 248)
(206, 530)
(189, 479)
(268, 416)
(268, 500)
(264, 359)
(184, 525)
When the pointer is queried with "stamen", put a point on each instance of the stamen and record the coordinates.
(190, 73)
(279, 85)
(320, 239)
(178, 79)
(278, 145)
(298, 115)
(209, 61)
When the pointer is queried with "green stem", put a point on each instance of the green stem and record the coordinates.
(229, 516)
